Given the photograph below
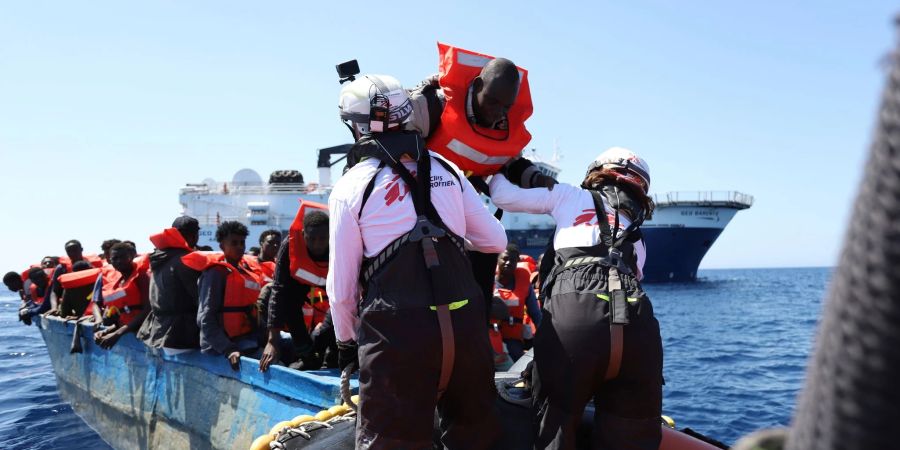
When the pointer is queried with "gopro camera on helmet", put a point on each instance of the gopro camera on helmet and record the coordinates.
(347, 71)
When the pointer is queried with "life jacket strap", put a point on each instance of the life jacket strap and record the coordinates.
(618, 318)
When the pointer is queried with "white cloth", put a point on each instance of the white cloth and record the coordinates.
(387, 215)
(573, 209)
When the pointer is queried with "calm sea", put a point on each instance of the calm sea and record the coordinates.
(736, 344)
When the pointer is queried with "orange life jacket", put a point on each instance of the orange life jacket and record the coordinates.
(475, 149)
(515, 302)
(303, 268)
(314, 311)
(500, 355)
(33, 290)
(123, 297)
(78, 279)
(169, 238)
(241, 289)
(268, 271)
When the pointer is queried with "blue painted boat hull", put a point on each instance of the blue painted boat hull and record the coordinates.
(674, 253)
(136, 397)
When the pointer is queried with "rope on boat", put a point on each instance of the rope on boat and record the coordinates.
(301, 425)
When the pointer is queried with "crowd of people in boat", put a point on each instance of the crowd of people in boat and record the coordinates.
(181, 297)
(406, 276)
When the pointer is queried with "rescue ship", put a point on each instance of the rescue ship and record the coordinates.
(684, 226)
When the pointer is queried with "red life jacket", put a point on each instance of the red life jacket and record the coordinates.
(314, 311)
(475, 149)
(123, 297)
(500, 355)
(241, 289)
(515, 302)
(268, 271)
(80, 279)
(169, 238)
(303, 268)
(527, 262)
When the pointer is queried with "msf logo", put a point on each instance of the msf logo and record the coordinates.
(588, 218)
(397, 190)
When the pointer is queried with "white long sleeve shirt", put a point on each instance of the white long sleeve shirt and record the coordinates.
(573, 209)
(388, 214)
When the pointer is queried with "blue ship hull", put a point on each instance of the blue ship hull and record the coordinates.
(673, 253)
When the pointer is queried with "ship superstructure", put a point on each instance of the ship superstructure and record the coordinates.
(683, 228)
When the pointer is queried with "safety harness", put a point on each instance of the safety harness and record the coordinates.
(428, 229)
(609, 254)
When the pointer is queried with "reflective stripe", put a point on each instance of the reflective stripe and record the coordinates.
(453, 305)
(250, 284)
(310, 277)
(114, 296)
(605, 297)
(471, 154)
(468, 59)
(512, 301)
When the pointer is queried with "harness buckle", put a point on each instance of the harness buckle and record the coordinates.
(425, 228)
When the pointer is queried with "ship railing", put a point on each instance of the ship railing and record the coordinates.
(730, 199)
(226, 188)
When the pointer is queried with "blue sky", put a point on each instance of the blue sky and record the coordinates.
(107, 108)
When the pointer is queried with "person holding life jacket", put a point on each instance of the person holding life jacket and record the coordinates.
(400, 221)
(229, 286)
(599, 338)
(513, 287)
(124, 297)
(298, 299)
(172, 322)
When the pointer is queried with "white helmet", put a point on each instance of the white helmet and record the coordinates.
(635, 169)
(380, 91)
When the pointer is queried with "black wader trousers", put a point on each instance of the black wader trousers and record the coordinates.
(400, 355)
(571, 355)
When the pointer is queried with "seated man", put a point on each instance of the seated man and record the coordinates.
(513, 286)
(229, 286)
(172, 322)
(14, 283)
(298, 291)
(77, 288)
(39, 292)
(124, 298)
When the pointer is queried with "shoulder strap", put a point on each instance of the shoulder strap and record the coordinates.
(600, 211)
(368, 191)
(450, 169)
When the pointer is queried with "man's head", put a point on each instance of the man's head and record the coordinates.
(13, 281)
(73, 250)
(315, 233)
(495, 91)
(269, 241)
(38, 277)
(78, 266)
(232, 239)
(189, 228)
(121, 257)
(49, 262)
(506, 263)
(106, 245)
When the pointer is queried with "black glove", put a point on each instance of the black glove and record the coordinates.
(526, 375)
(523, 173)
(348, 355)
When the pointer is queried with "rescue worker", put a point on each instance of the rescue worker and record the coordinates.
(298, 290)
(599, 338)
(229, 286)
(419, 318)
(124, 301)
(514, 289)
(172, 322)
